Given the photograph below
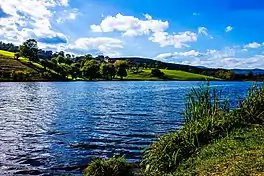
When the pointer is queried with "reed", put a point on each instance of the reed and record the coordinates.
(207, 117)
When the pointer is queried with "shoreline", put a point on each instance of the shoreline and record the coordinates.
(128, 80)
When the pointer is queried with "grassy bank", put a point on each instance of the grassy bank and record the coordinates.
(214, 140)
(207, 119)
(239, 153)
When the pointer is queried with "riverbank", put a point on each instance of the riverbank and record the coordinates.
(213, 141)
(239, 153)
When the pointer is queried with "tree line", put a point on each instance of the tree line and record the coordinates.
(68, 66)
(90, 67)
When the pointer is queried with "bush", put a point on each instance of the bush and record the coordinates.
(47, 75)
(110, 167)
(157, 73)
(206, 119)
(20, 75)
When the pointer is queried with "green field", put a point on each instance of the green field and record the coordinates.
(170, 74)
(7, 53)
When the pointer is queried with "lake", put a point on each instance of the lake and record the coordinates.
(51, 127)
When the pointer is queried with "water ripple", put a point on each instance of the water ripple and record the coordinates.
(57, 128)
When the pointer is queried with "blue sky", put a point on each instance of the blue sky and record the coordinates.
(226, 33)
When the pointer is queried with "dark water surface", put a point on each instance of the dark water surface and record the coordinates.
(56, 127)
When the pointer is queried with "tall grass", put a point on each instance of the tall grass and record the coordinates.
(111, 167)
(207, 117)
(251, 110)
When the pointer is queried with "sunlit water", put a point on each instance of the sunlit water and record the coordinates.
(58, 127)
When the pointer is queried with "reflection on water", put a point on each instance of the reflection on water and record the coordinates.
(56, 128)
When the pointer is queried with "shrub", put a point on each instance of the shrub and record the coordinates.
(110, 167)
(47, 75)
(19, 75)
(206, 118)
(157, 73)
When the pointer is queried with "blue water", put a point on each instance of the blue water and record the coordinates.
(47, 127)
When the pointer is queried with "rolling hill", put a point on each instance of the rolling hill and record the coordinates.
(172, 72)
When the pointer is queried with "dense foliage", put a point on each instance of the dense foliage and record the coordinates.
(157, 73)
(111, 167)
(29, 49)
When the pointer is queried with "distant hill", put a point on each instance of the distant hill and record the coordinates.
(247, 71)
(242, 71)
(188, 68)
(169, 66)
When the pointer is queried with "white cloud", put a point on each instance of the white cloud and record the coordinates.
(253, 45)
(203, 31)
(225, 58)
(191, 53)
(107, 46)
(129, 25)
(132, 26)
(68, 15)
(177, 40)
(148, 17)
(228, 28)
(63, 2)
(28, 19)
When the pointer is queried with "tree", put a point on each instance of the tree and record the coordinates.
(227, 75)
(61, 53)
(64, 69)
(107, 71)
(29, 49)
(112, 71)
(157, 73)
(250, 74)
(68, 56)
(91, 69)
(121, 71)
(121, 66)
(43, 62)
(121, 63)
(75, 70)
(61, 59)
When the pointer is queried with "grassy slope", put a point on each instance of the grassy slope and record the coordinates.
(9, 64)
(171, 75)
(9, 55)
(241, 153)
